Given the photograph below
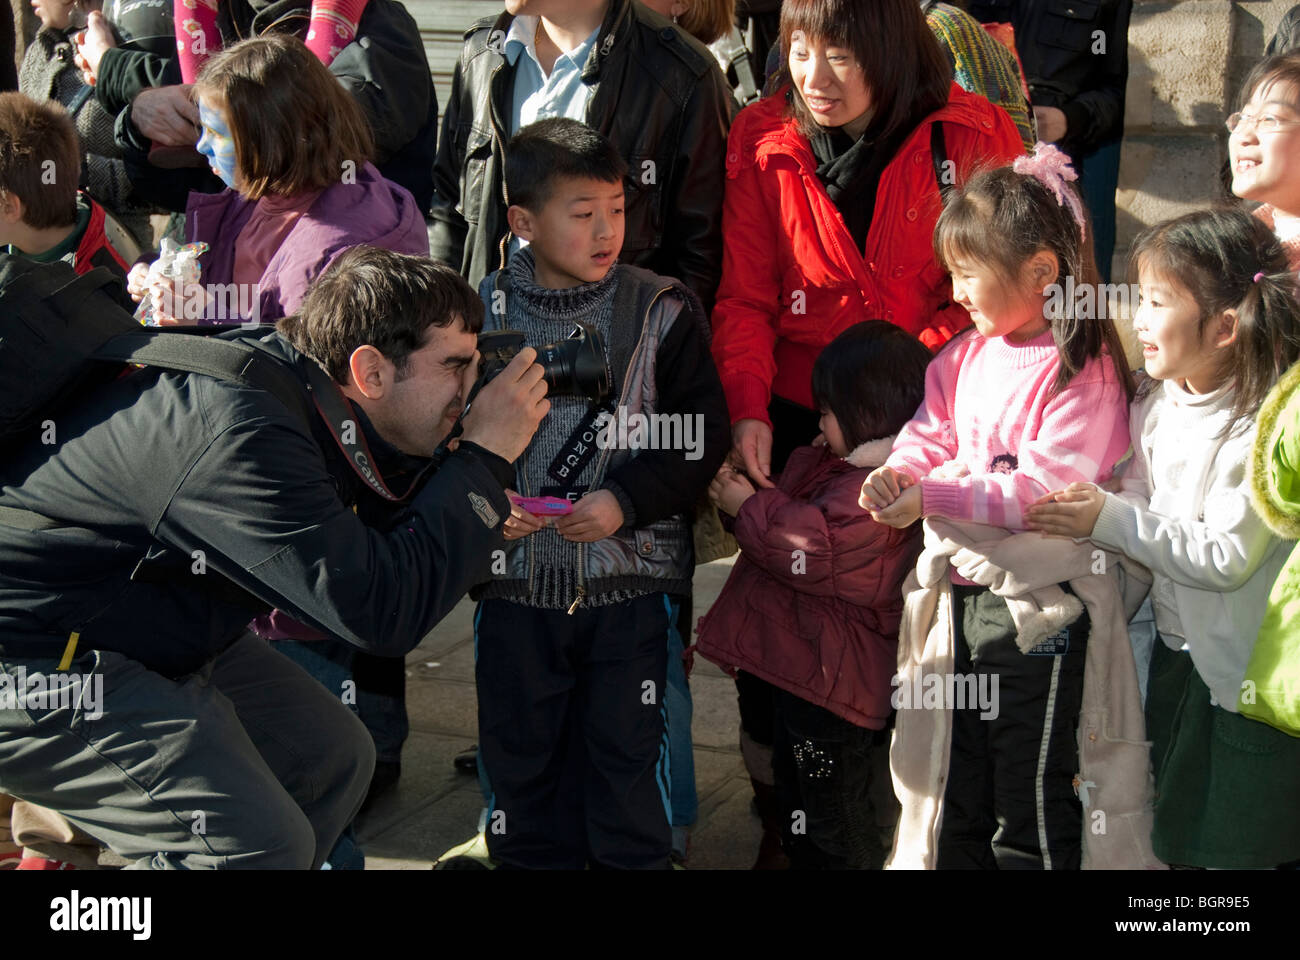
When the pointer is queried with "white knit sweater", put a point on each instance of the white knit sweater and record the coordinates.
(1184, 512)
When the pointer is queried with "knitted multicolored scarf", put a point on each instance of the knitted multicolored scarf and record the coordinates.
(333, 26)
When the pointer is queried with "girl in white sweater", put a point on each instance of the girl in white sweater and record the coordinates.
(1218, 324)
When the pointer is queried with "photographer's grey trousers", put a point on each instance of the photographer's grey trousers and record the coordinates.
(248, 762)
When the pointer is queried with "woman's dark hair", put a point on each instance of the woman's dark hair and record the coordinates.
(904, 67)
(1215, 256)
(872, 377)
(294, 126)
(557, 148)
(1000, 219)
(387, 300)
(1281, 68)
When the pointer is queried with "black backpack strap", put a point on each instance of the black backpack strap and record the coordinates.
(238, 361)
(939, 154)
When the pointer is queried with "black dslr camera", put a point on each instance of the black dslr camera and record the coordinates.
(573, 367)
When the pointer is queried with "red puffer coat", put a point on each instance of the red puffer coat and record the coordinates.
(791, 276)
(814, 601)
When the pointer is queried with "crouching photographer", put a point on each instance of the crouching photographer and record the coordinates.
(145, 524)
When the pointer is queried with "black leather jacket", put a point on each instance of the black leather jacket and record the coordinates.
(1075, 54)
(656, 93)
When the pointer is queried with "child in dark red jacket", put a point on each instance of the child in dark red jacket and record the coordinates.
(814, 602)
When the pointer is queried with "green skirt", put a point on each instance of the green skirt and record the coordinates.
(1227, 787)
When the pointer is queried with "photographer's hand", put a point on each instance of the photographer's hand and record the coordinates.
(505, 414)
(520, 523)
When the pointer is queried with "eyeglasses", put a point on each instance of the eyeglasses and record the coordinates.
(1266, 123)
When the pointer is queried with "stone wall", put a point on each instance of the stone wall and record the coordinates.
(1186, 63)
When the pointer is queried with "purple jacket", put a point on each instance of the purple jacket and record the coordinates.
(372, 210)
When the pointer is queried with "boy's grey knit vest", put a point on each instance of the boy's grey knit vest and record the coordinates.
(544, 316)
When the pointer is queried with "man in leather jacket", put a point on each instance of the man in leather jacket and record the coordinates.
(654, 91)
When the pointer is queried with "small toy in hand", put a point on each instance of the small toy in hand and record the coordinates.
(544, 506)
(180, 266)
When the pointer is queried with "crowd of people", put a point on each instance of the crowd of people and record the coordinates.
(996, 576)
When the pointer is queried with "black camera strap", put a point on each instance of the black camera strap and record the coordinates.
(578, 450)
(336, 410)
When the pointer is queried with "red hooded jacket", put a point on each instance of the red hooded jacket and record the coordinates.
(791, 276)
(814, 602)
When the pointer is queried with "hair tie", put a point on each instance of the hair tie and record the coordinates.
(1051, 167)
(1258, 277)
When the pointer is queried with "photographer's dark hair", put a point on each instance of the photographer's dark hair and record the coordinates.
(554, 149)
(384, 299)
(1215, 255)
(999, 219)
(872, 377)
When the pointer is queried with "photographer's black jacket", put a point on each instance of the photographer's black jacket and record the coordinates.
(194, 504)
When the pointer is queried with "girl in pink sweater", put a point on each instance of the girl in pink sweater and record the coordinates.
(1035, 397)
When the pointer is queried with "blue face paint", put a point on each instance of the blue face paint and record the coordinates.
(217, 144)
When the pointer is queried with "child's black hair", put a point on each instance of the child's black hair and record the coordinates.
(1216, 255)
(1000, 219)
(872, 377)
(554, 149)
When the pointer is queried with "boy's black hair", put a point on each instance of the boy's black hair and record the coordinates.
(553, 149)
(872, 377)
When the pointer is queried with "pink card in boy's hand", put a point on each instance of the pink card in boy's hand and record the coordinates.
(544, 506)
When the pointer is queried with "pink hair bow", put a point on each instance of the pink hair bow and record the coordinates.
(1051, 167)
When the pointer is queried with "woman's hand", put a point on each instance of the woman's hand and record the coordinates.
(903, 512)
(1071, 512)
(595, 517)
(751, 448)
(882, 487)
(520, 523)
(729, 490)
(167, 115)
(91, 45)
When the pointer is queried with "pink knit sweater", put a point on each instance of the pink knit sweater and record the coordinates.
(999, 435)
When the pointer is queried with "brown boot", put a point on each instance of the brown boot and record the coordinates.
(770, 854)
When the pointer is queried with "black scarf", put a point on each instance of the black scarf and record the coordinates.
(850, 170)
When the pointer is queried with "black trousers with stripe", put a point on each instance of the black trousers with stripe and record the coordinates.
(1010, 802)
(572, 735)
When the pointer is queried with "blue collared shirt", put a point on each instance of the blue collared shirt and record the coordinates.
(537, 96)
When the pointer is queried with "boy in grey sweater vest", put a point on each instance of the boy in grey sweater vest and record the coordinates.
(573, 631)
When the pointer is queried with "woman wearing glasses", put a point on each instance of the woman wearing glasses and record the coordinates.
(1264, 148)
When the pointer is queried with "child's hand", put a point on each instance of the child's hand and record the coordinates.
(520, 523)
(92, 43)
(164, 301)
(595, 517)
(903, 512)
(882, 487)
(136, 281)
(729, 490)
(1071, 512)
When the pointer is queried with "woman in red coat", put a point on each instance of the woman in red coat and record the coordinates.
(832, 196)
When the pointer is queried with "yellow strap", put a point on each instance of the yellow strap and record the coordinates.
(69, 650)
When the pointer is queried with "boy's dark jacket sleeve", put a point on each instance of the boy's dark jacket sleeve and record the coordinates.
(662, 483)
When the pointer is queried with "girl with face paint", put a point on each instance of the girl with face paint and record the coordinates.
(294, 150)
(216, 142)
